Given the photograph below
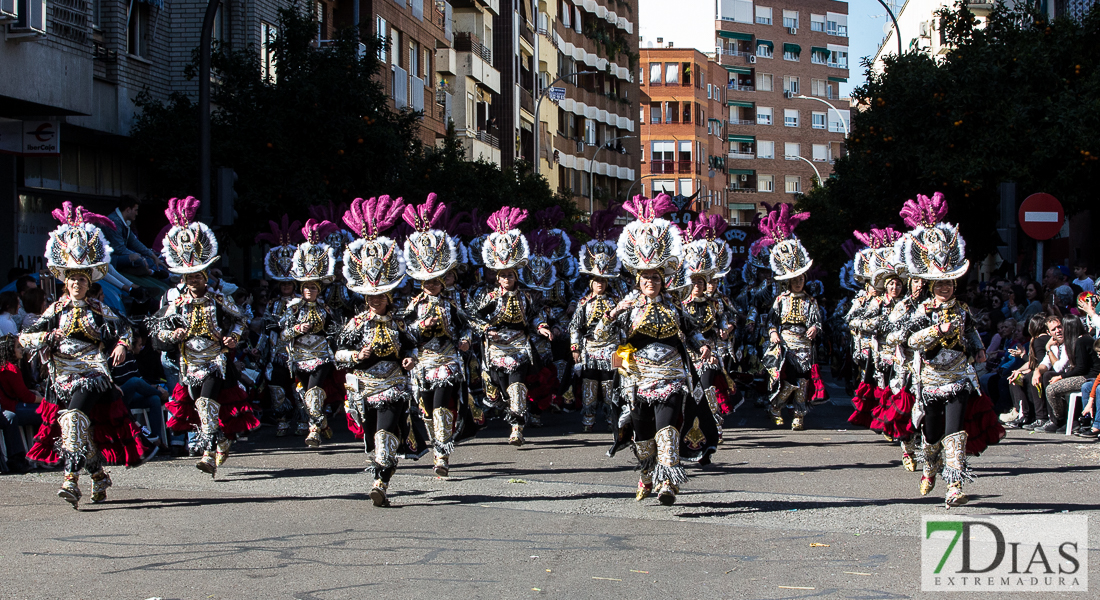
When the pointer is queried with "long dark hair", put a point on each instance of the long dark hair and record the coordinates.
(7, 349)
(1036, 327)
(1072, 329)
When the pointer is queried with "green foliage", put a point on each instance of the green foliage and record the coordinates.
(1017, 99)
(321, 131)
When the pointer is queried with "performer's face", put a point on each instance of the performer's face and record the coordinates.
(599, 287)
(698, 286)
(286, 288)
(507, 279)
(196, 283)
(449, 280)
(893, 288)
(711, 287)
(650, 283)
(944, 290)
(433, 287)
(798, 284)
(310, 292)
(378, 303)
(77, 286)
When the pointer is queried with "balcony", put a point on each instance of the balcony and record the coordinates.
(742, 122)
(471, 63)
(492, 5)
(527, 100)
(739, 87)
(684, 167)
(446, 61)
(662, 166)
(479, 145)
(470, 42)
(742, 155)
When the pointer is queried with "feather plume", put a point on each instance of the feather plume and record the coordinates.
(370, 218)
(850, 247)
(506, 218)
(780, 224)
(478, 224)
(77, 216)
(924, 211)
(646, 209)
(542, 242)
(601, 225)
(282, 234)
(314, 231)
(453, 223)
(181, 211)
(549, 218)
(425, 216)
(331, 212)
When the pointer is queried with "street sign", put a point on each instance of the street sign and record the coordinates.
(1041, 216)
(557, 94)
(30, 138)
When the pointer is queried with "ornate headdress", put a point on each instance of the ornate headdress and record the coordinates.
(429, 253)
(315, 260)
(650, 242)
(189, 246)
(698, 258)
(547, 218)
(505, 248)
(78, 245)
(597, 257)
(284, 239)
(339, 237)
(880, 259)
(539, 273)
(848, 279)
(373, 264)
(711, 228)
(789, 257)
(933, 250)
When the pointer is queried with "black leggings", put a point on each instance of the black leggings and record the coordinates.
(85, 400)
(209, 388)
(440, 397)
(946, 419)
(648, 419)
(503, 379)
(316, 377)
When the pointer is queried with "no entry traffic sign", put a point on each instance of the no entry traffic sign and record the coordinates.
(1041, 216)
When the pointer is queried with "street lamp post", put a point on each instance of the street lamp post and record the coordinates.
(592, 177)
(830, 105)
(538, 120)
(807, 161)
(897, 30)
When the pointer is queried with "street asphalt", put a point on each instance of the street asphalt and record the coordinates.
(826, 512)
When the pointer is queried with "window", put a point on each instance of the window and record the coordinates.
(687, 113)
(395, 47)
(821, 152)
(414, 58)
(817, 87)
(765, 183)
(790, 19)
(577, 19)
(685, 152)
(654, 112)
(765, 149)
(793, 184)
(790, 84)
(654, 73)
(835, 123)
(563, 10)
(380, 31)
(672, 74)
(790, 52)
(817, 120)
(667, 186)
(709, 92)
(641, 116)
(763, 51)
(838, 56)
(672, 115)
(738, 11)
(836, 24)
(686, 187)
(590, 132)
(792, 150)
(817, 22)
(763, 115)
(137, 38)
(268, 33)
(819, 56)
(763, 82)
(763, 15)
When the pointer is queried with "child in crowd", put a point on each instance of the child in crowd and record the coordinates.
(1080, 271)
(19, 404)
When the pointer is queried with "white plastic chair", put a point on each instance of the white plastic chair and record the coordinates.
(1074, 398)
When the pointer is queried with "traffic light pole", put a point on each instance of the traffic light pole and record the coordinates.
(205, 39)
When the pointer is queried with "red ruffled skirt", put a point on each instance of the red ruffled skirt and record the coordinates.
(983, 428)
(542, 387)
(235, 415)
(114, 432)
(894, 415)
(866, 400)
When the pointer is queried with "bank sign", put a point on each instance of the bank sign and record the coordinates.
(30, 138)
(1019, 553)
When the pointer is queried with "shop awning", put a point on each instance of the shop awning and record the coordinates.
(743, 139)
(733, 35)
(742, 172)
(838, 79)
(740, 103)
(815, 49)
(795, 48)
(765, 43)
(740, 70)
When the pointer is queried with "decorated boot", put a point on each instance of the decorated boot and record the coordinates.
(646, 451)
(383, 465)
(955, 469)
(443, 423)
(668, 473)
(932, 456)
(101, 480)
(517, 410)
(908, 450)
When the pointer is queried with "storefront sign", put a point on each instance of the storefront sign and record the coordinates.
(30, 138)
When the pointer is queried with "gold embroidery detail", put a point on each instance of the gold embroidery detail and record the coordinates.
(694, 437)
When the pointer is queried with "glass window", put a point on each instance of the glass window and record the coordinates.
(818, 120)
(821, 152)
(672, 74)
(790, 84)
(765, 149)
(817, 22)
(793, 184)
(763, 15)
(792, 150)
(790, 55)
(763, 115)
(817, 87)
(667, 186)
(763, 51)
(686, 187)
(765, 183)
(655, 73)
(790, 18)
(763, 82)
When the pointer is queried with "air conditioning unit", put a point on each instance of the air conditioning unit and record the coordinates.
(30, 23)
(9, 10)
(925, 29)
(752, 59)
(788, 94)
(792, 30)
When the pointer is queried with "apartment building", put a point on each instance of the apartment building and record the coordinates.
(785, 60)
(683, 129)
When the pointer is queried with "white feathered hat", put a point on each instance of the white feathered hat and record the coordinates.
(78, 245)
(189, 246)
(373, 264)
(650, 242)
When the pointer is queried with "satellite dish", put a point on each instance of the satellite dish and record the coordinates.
(887, 27)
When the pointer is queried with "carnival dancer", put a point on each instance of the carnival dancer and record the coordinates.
(656, 378)
(285, 405)
(945, 340)
(558, 303)
(506, 318)
(374, 346)
(863, 264)
(203, 326)
(85, 424)
(438, 327)
(794, 321)
(593, 347)
(307, 325)
(879, 269)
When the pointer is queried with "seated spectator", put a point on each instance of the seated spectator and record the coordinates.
(1083, 281)
(1069, 358)
(139, 393)
(1025, 302)
(35, 303)
(24, 283)
(1025, 397)
(129, 254)
(20, 404)
(9, 308)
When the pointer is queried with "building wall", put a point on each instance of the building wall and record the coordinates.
(751, 73)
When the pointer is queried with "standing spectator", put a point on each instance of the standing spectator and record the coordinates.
(129, 254)
(9, 308)
(34, 302)
(1080, 270)
(19, 404)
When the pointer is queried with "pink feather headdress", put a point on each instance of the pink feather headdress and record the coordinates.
(780, 224)
(878, 238)
(370, 218)
(77, 216)
(284, 233)
(314, 231)
(506, 218)
(647, 209)
(181, 211)
(924, 211)
(424, 217)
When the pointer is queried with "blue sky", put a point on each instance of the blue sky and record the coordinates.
(690, 24)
